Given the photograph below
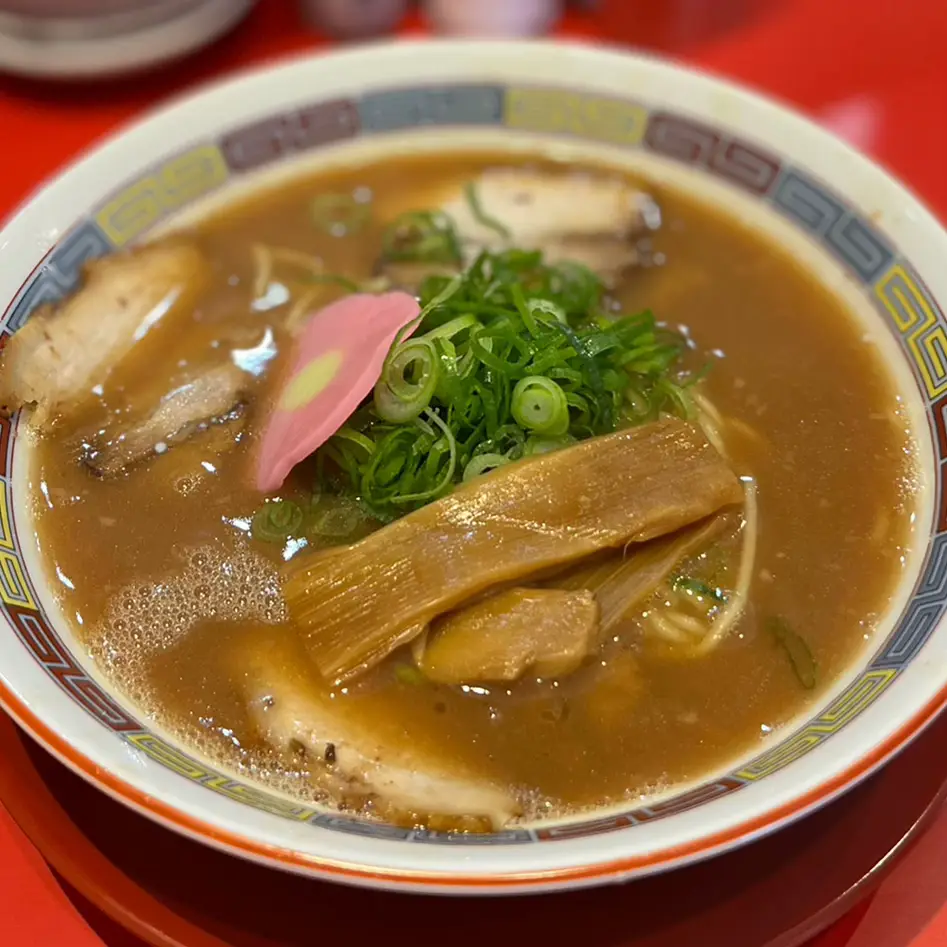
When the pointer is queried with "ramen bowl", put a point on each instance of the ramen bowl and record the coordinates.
(860, 234)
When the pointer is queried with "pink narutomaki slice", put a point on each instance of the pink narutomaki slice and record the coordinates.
(339, 357)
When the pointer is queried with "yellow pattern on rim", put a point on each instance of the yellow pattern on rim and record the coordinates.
(916, 318)
(176, 183)
(845, 708)
(574, 113)
(14, 589)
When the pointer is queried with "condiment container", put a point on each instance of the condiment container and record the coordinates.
(494, 18)
(354, 19)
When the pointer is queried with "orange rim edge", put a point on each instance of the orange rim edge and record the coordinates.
(408, 878)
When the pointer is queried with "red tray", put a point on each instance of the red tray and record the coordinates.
(173, 892)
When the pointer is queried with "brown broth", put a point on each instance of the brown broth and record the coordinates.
(830, 455)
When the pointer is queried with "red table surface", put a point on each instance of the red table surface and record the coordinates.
(874, 71)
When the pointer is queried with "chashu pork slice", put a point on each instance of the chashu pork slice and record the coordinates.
(355, 756)
(589, 219)
(357, 604)
(55, 360)
(212, 396)
(548, 632)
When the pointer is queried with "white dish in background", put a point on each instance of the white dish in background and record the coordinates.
(98, 40)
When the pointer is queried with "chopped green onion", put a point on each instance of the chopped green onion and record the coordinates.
(547, 308)
(576, 287)
(448, 474)
(476, 208)
(540, 405)
(698, 588)
(483, 463)
(355, 438)
(679, 399)
(545, 445)
(381, 478)
(421, 237)
(407, 381)
(276, 521)
(335, 518)
(519, 300)
(409, 675)
(694, 377)
(511, 357)
(803, 663)
(454, 327)
(638, 404)
(339, 214)
(441, 297)
(508, 440)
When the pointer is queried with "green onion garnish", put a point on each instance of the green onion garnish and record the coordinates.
(698, 588)
(510, 358)
(409, 675)
(800, 656)
(407, 382)
(276, 521)
(339, 215)
(445, 445)
(677, 396)
(421, 236)
(483, 463)
(544, 445)
(476, 208)
(335, 518)
(540, 405)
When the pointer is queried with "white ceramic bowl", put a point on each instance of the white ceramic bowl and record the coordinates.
(859, 231)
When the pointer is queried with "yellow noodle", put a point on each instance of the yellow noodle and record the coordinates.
(297, 258)
(732, 611)
(300, 309)
(666, 629)
(262, 269)
(688, 623)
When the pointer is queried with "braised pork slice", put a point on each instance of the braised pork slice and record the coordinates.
(59, 355)
(356, 605)
(584, 218)
(357, 759)
(215, 396)
(545, 631)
